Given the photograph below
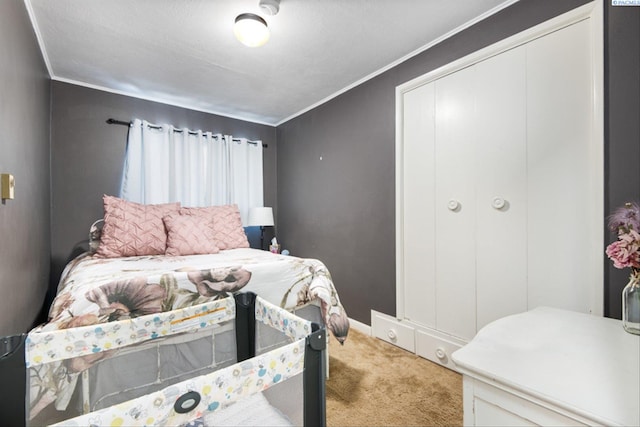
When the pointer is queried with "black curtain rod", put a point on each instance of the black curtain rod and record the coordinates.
(123, 123)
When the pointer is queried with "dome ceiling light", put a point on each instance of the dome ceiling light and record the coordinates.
(251, 29)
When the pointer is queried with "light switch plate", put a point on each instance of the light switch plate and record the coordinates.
(7, 185)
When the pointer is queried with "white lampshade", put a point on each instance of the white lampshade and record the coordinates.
(251, 30)
(260, 216)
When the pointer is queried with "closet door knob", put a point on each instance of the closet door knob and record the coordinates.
(498, 203)
(453, 205)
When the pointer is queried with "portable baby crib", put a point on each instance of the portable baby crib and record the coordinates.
(234, 361)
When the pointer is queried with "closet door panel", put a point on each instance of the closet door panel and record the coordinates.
(455, 204)
(559, 92)
(418, 213)
(501, 186)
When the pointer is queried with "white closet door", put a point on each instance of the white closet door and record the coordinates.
(418, 213)
(559, 123)
(500, 123)
(455, 204)
(499, 178)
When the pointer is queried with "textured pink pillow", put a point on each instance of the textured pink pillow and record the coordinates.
(189, 235)
(227, 225)
(132, 229)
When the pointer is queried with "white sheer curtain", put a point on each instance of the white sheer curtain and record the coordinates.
(195, 168)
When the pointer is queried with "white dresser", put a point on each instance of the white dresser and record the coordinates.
(551, 367)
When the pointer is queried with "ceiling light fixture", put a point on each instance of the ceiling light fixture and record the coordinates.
(251, 30)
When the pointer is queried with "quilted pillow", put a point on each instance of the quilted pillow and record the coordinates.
(133, 229)
(189, 235)
(227, 225)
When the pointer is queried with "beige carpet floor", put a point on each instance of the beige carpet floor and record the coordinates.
(373, 383)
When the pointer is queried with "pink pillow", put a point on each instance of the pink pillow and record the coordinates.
(189, 235)
(227, 225)
(133, 229)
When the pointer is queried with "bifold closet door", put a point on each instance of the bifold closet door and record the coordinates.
(465, 197)
(481, 201)
(501, 182)
(418, 260)
(563, 219)
(455, 203)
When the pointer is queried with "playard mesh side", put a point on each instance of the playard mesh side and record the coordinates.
(234, 361)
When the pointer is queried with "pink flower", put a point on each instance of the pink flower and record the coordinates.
(219, 282)
(625, 252)
(126, 299)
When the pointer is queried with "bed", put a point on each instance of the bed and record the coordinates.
(126, 325)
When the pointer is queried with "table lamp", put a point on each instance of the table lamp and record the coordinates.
(262, 217)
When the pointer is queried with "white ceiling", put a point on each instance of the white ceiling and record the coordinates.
(183, 52)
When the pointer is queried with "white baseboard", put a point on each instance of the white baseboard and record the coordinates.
(360, 327)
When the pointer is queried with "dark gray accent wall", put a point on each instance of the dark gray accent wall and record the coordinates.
(622, 130)
(24, 153)
(336, 166)
(88, 154)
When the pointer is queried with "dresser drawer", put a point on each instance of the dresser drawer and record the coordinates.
(391, 330)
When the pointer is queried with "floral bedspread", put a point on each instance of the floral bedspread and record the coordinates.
(97, 290)
(94, 291)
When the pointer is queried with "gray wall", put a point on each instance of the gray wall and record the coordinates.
(87, 156)
(24, 153)
(622, 129)
(341, 209)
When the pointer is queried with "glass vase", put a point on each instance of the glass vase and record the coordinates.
(631, 305)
